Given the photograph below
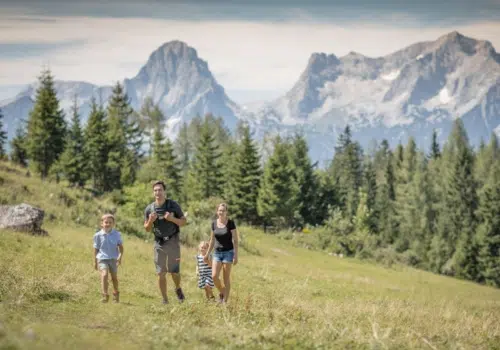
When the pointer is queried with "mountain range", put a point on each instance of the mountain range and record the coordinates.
(409, 92)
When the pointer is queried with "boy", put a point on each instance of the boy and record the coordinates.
(108, 252)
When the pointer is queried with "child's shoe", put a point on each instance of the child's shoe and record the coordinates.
(116, 297)
(105, 298)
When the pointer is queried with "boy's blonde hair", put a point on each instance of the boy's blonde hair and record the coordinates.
(108, 216)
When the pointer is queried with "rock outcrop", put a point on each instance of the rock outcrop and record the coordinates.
(22, 217)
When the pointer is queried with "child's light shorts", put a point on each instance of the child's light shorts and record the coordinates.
(109, 264)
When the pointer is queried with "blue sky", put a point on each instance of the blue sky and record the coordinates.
(256, 49)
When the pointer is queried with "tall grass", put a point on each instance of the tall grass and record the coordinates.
(282, 296)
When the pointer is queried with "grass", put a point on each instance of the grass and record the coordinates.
(285, 297)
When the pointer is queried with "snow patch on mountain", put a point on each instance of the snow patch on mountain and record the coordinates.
(391, 76)
(444, 96)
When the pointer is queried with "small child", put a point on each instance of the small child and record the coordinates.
(204, 271)
(108, 252)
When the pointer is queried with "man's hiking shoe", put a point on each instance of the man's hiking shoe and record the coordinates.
(116, 297)
(105, 298)
(180, 294)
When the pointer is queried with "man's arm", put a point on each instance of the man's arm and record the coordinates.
(180, 220)
(149, 218)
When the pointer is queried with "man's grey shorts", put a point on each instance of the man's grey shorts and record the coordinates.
(109, 264)
(167, 256)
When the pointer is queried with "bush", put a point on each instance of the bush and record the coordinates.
(204, 209)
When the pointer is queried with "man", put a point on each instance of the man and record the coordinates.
(165, 217)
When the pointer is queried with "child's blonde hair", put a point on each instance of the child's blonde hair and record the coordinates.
(202, 244)
(108, 216)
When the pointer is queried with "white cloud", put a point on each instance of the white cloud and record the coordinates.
(242, 55)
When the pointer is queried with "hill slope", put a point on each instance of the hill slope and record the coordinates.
(283, 297)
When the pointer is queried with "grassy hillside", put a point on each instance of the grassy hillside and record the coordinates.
(285, 297)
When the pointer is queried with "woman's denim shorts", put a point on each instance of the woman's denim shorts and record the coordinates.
(224, 256)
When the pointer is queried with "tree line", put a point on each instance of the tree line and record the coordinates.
(439, 208)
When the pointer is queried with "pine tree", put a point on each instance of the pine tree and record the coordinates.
(424, 210)
(119, 112)
(486, 157)
(171, 166)
(96, 146)
(73, 160)
(46, 127)
(407, 214)
(18, 154)
(384, 208)
(435, 152)
(245, 185)
(326, 196)
(278, 191)
(3, 138)
(135, 153)
(346, 169)
(452, 249)
(488, 237)
(370, 189)
(305, 178)
(206, 172)
(183, 150)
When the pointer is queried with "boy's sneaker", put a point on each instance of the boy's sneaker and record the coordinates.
(180, 294)
(105, 298)
(116, 297)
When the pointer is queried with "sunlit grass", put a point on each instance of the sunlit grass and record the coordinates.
(285, 297)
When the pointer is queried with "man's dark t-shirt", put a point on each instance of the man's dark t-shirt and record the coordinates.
(223, 236)
(161, 227)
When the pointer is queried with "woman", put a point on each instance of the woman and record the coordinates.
(224, 237)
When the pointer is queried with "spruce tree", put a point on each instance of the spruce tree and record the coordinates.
(73, 160)
(370, 189)
(18, 153)
(452, 249)
(424, 211)
(384, 208)
(346, 169)
(488, 237)
(486, 157)
(246, 182)
(119, 112)
(183, 149)
(96, 146)
(3, 138)
(407, 213)
(46, 132)
(206, 172)
(304, 176)
(278, 191)
(326, 196)
(435, 151)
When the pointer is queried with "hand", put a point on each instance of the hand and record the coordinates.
(119, 261)
(235, 259)
(168, 216)
(153, 217)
